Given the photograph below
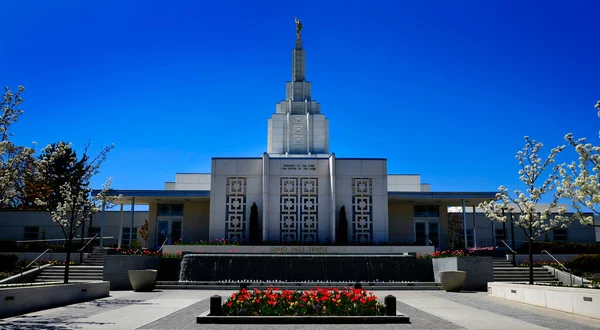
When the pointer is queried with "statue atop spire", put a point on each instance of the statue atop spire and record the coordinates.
(298, 27)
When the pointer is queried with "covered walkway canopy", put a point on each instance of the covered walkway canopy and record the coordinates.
(146, 197)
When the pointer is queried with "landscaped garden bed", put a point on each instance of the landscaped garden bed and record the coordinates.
(320, 305)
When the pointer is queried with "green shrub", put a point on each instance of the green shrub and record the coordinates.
(8, 246)
(560, 248)
(585, 263)
(12, 246)
(8, 262)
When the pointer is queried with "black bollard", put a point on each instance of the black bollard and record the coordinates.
(390, 305)
(215, 306)
(243, 286)
(357, 285)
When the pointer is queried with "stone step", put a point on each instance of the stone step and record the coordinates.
(54, 272)
(174, 285)
(61, 278)
(203, 287)
(520, 270)
(523, 278)
(62, 274)
(78, 267)
(72, 273)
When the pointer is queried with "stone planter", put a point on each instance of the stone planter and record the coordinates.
(480, 270)
(116, 268)
(452, 280)
(142, 280)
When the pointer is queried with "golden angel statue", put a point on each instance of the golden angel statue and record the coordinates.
(298, 27)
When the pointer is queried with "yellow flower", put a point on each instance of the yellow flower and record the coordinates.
(324, 308)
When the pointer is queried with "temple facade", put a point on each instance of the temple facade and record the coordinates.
(300, 188)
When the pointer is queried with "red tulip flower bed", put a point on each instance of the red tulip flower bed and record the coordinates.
(318, 302)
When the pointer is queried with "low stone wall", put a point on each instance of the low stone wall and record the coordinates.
(117, 266)
(283, 249)
(25, 277)
(21, 300)
(567, 278)
(578, 301)
(480, 270)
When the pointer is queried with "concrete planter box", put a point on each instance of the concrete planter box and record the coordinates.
(116, 268)
(142, 280)
(16, 301)
(480, 270)
(578, 301)
(452, 280)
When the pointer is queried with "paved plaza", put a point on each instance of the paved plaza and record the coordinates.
(177, 309)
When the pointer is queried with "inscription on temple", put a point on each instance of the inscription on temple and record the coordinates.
(296, 167)
(298, 249)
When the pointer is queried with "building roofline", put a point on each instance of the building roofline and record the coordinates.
(156, 193)
(236, 158)
(449, 194)
(358, 158)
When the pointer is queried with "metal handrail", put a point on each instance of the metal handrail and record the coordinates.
(515, 254)
(163, 244)
(558, 263)
(89, 241)
(34, 260)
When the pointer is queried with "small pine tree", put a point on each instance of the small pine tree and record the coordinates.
(254, 227)
(342, 235)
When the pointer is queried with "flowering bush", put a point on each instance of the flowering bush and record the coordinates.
(138, 252)
(43, 261)
(219, 241)
(171, 255)
(146, 252)
(541, 263)
(446, 254)
(318, 302)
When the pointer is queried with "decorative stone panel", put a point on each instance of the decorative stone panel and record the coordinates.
(235, 222)
(362, 210)
(299, 210)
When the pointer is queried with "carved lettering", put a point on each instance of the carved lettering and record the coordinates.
(298, 249)
(298, 167)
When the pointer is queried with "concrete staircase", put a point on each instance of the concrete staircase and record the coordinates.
(504, 271)
(76, 274)
(96, 258)
(91, 269)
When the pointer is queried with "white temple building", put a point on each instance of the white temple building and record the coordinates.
(299, 187)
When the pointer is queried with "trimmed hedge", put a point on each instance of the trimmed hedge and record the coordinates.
(12, 246)
(8, 262)
(585, 263)
(560, 248)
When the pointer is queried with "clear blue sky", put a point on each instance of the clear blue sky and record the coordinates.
(446, 89)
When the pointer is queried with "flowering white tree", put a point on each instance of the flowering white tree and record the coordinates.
(70, 201)
(531, 220)
(581, 180)
(13, 159)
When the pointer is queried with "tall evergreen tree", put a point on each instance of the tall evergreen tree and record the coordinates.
(254, 226)
(342, 234)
